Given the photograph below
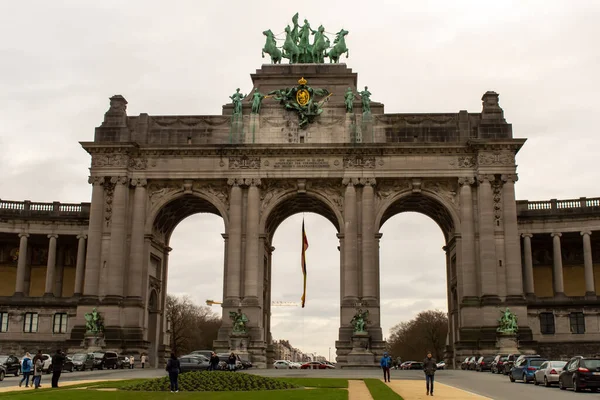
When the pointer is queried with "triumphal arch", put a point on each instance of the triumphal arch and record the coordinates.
(307, 138)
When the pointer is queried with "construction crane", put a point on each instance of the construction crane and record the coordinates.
(273, 303)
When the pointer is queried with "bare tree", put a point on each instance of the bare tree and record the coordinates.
(193, 327)
(413, 339)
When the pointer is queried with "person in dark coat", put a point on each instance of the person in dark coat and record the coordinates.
(231, 361)
(429, 367)
(385, 364)
(58, 360)
(173, 368)
(214, 362)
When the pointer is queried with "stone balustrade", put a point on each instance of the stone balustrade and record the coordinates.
(583, 205)
(53, 210)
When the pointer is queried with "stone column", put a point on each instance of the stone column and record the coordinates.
(559, 285)
(118, 235)
(528, 273)
(590, 287)
(21, 265)
(487, 241)
(251, 274)
(369, 273)
(512, 243)
(80, 264)
(94, 243)
(136, 254)
(234, 239)
(50, 266)
(468, 274)
(350, 241)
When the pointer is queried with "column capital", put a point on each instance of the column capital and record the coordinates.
(489, 178)
(82, 236)
(119, 180)
(466, 180)
(587, 232)
(53, 235)
(23, 234)
(528, 235)
(252, 182)
(350, 181)
(235, 182)
(555, 234)
(96, 180)
(367, 181)
(138, 182)
(509, 178)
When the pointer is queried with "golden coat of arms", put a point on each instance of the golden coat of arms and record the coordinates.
(302, 97)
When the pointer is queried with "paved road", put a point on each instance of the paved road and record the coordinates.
(496, 387)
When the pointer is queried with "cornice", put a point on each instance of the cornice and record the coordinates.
(496, 144)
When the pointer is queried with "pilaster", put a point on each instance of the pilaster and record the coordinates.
(234, 245)
(468, 275)
(251, 273)
(369, 273)
(487, 242)
(512, 245)
(136, 255)
(94, 244)
(350, 241)
(116, 257)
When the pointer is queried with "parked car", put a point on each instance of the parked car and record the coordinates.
(525, 368)
(195, 362)
(472, 364)
(580, 373)
(484, 363)
(548, 372)
(497, 366)
(47, 361)
(67, 365)
(441, 365)
(295, 365)
(11, 364)
(465, 364)
(316, 365)
(415, 365)
(406, 364)
(510, 361)
(2, 372)
(122, 362)
(205, 353)
(83, 361)
(282, 364)
(105, 360)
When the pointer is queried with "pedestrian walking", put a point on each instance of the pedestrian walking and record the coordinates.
(429, 367)
(58, 360)
(143, 360)
(26, 368)
(173, 368)
(386, 363)
(214, 362)
(38, 366)
(131, 362)
(231, 361)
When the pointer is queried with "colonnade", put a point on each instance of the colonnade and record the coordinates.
(557, 265)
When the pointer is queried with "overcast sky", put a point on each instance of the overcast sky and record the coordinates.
(62, 60)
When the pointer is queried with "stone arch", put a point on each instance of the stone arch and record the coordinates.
(425, 202)
(292, 202)
(175, 206)
(153, 326)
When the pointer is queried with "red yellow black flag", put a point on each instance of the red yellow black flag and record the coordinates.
(304, 247)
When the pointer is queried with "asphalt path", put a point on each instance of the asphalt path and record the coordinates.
(494, 386)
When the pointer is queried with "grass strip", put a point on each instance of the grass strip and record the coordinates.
(295, 394)
(334, 383)
(381, 391)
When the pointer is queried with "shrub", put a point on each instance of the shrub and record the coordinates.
(213, 382)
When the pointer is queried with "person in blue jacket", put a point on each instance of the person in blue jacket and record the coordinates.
(26, 367)
(386, 364)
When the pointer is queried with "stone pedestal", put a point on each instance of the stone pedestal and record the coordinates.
(236, 133)
(238, 343)
(361, 355)
(507, 343)
(93, 342)
(366, 127)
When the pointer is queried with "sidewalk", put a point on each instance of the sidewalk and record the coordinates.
(358, 390)
(46, 384)
(415, 390)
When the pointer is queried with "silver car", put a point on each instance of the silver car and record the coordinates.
(548, 372)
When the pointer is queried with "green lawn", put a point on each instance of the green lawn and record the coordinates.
(381, 391)
(335, 383)
(78, 394)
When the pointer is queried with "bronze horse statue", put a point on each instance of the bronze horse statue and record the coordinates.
(339, 47)
(271, 48)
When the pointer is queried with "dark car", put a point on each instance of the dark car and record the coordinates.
(416, 365)
(497, 365)
(68, 365)
(524, 369)
(11, 364)
(510, 361)
(2, 372)
(193, 362)
(484, 363)
(105, 360)
(205, 353)
(83, 361)
(580, 373)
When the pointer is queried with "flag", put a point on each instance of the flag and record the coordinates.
(304, 247)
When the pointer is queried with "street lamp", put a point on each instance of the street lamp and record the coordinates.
(329, 359)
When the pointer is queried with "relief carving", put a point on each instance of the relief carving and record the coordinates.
(446, 189)
(359, 161)
(389, 187)
(244, 162)
(466, 162)
(109, 160)
(138, 163)
(216, 189)
(109, 192)
(329, 189)
(158, 190)
(496, 158)
(271, 189)
(497, 190)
